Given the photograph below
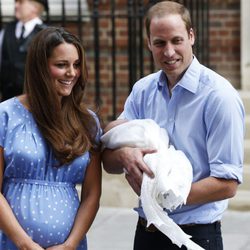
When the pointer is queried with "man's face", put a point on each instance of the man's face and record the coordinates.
(25, 10)
(171, 46)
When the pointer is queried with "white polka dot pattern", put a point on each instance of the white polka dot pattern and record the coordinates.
(42, 196)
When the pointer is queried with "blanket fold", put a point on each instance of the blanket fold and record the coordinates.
(173, 175)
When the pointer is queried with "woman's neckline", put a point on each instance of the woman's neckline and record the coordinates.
(22, 101)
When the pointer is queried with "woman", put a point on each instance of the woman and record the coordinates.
(48, 143)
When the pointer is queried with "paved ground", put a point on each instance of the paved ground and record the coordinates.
(113, 229)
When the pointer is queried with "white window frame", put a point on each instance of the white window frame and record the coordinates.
(245, 45)
(55, 9)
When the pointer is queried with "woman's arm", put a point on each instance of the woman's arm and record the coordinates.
(8, 222)
(90, 197)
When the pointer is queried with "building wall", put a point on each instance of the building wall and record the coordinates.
(224, 52)
(225, 31)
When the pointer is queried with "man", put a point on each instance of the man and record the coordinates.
(204, 117)
(14, 44)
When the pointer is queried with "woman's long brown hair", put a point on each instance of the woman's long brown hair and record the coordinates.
(67, 125)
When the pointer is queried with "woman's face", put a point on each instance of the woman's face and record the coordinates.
(64, 67)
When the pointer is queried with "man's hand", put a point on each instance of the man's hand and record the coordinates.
(134, 166)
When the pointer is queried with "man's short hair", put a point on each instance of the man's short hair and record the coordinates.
(164, 8)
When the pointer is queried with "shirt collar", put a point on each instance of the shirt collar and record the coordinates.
(190, 79)
(29, 26)
(162, 80)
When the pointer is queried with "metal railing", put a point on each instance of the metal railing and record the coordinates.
(86, 19)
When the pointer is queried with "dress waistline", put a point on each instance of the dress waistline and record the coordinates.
(39, 182)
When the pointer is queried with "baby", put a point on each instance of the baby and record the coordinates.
(173, 173)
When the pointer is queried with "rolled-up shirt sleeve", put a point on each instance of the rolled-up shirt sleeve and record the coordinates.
(225, 135)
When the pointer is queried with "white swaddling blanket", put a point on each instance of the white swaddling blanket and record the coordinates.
(173, 175)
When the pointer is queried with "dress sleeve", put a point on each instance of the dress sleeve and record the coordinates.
(3, 127)
(99, 131)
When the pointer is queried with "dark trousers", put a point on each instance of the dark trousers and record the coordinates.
(207, 236)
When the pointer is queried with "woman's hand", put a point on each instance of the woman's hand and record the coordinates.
(31, 246)
(61, 247)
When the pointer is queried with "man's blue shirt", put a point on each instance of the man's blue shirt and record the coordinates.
(204, 117)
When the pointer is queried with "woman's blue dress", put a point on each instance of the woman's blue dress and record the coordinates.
(42, 196)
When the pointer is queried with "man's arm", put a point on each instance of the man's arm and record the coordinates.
(129, 160)
(225, 146)
(211, 189)
(110, 160)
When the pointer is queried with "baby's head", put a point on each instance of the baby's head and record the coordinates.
(114, 124)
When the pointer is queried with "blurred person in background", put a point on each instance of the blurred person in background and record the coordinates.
(15, 40)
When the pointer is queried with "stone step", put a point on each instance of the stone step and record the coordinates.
(247, 124)
(241, 201)
(247, 152)
(246, 178)
(117, 193)
(245, 96)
